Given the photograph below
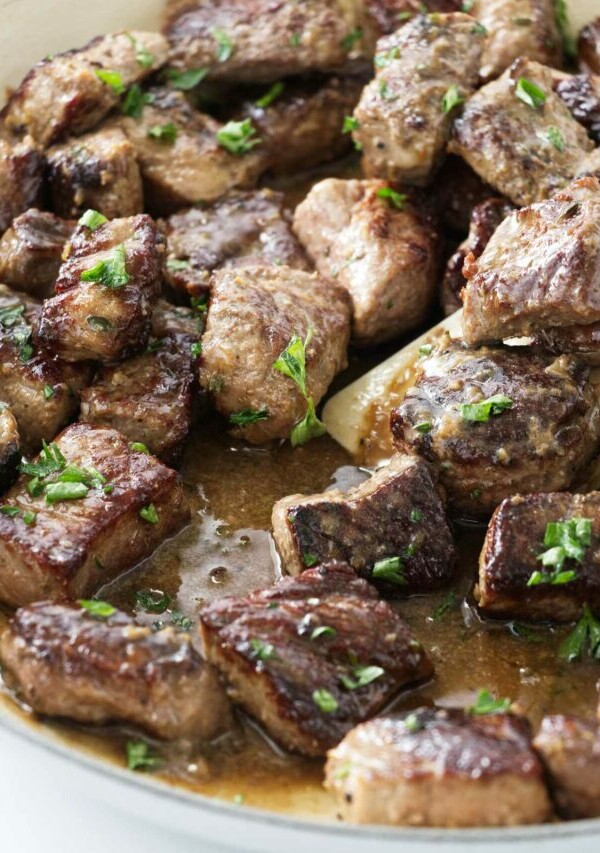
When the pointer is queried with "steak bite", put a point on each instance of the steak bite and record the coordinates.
(240, 228)
(97, 171)
(312, 656)
(540, 270)
(180, 156)
(21, 178)
(485, 218)
(365, 237)
(499, 421)
(538, 564)
(31, 251)
(570, 749)
(10, 447)
(175, 320)
(100, 509)
(388, 15)
(303, 126)
(41, 389)
(518, 28)
(72, 92)
(439, 768)
(147, 398)
(382, 528)
(581, 95)
(66, 662)
(105, 291)
(255, 315)
(292, 38)
(520, 137)
(405, 114)
(588, 47)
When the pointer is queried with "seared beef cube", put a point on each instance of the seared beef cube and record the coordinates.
(67, 662)
(540, 270)
(255, 314)
(148, 398)
(303, 126)
(518, 28)
(519, 136)
(581, 94)
(570, 749)
(97, 171)
(363, 235)
(10, 447)
(405, 114)
(522, 574)
(499, 421)
(31, 251)
(105, 291)
(485, 218)
(439, 768)
(72, 92)
(588, 47)
(41, 389)
(389, 15)
(583, 341)
(125, 504)
(381, 528)
(21, 179)
(240, 228)
(241, 41)
(458, 189)
(312, 656)
(180, 157)
(178, 320)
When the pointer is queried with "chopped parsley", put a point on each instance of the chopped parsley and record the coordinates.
(322, 631)
(487, 704)
(138, 447)
(184, 81)
(270, 96)
(112, 79)
(49, 392)
(12, 320)
(134, 101)
(413, 723)
(92, 219)
(69, 491)
(224, 45)
(292, 363)
(238, 137)
(393, 198)
(262, 651)
(350, 124)
(555, 137)
(295, 39)
(99, 324)
(178, 264)
(467, 5)
(391, 570)
(416, 514)
(425, 350)
(140, 756)
(29, 517)
(385, 92)
(51, 475)
(362, 675)
(101, 609)
(423, 427)
(352, 38)
(483, 411)
(530, 93)
(152, 600)
(248, 416)
(448, 603)
(111, 272)
(310, 560)
(181, 621)
(586, 634)
(196, 349)
(564, 540)
(324, 701)
(452, 98)
(143, 56)
(383, 59)
(478, 29)
(166, 134)
(562, 22)
(148, 513)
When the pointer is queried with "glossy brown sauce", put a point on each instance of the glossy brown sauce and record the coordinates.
(228, 550)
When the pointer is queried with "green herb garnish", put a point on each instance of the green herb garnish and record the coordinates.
(184, 81)
(530, 93)
(270, 96)
(352, 38)
(452, 98)
(138, 447)
(423, 427)
(350, 124)
(152, 600)
(166, 134)
(134, 101)
(262, 651)
(111, 272)
(322, 631)
(99, 324)
(393, 198)
(101, 609)
(112, 79)
(324, 701)
(238, 137)
(310, 560)
(178, 264)
(483, 411)
(143, 56)
(149, 514)
(292, 363)
(391, 570)
(487, 704)
(92, 219)
(248, 416)
(383, 59)
(555, 137)
(49, 392)
(448, 603)
(563, 540)
(562, 22)
(585, 633)
(362, 675)
(225, 45)
(140, 756)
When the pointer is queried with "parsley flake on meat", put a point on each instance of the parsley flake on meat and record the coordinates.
(292, 363)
